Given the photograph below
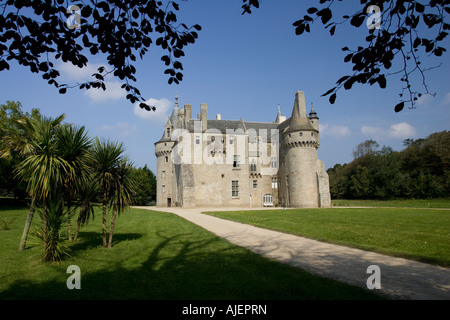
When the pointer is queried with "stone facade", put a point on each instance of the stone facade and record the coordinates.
(226, 163)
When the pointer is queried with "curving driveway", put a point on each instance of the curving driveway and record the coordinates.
(399, 278)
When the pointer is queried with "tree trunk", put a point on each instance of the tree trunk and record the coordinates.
(26, 229)
(111, 231)
(78, 230)
(69, 227)
(44, 224)
(104, 220)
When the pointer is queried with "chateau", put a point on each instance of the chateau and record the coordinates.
(235, 163)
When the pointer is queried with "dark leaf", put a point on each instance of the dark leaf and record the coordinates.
(333, 98)
(312, 10)
(399, 107)
(325, 15)
(357, 20)
(420, 7)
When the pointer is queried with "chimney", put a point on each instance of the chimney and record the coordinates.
(203, 115)
(188, 111)
(218, 117)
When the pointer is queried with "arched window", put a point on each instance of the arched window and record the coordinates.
(268, 200)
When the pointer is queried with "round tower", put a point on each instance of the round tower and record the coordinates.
(165, 191)
(300, 141)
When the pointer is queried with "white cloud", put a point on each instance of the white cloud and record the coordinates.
(123, 128)
(71, 73)
(446, 99)
(334, 130)
(398, 131)
(159, 116)
(113, 92)
(402, 130)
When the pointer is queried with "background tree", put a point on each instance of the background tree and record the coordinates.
(421, 170)
(145, 186)
(38, 33)
(400, 34)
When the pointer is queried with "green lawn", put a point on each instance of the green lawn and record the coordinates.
(405, 203)
(420, 234)
(157, 256)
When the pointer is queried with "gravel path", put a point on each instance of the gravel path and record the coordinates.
(399, 278)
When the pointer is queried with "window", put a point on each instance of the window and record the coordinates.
(235, 188)
(273, 162)
(163, 174)
(197, 139)
(268, 200)
(255, 184)
(274, 183)
(253, 166)
(236, 161)
(312, 134)
(163, 189)
(287, 181)
(231, 139)
(168, 131)
(301, 134)
(167, 159)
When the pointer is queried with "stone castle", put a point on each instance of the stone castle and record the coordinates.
(235, 163)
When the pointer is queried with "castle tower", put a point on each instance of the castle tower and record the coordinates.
(300, 143)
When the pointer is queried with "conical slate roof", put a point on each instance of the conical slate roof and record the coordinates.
(299, 120)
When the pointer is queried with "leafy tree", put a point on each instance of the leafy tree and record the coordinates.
(145, 186)
(365, 148)
(361, 183)
(400, 33)
(38, 33)
(421, 170)
(13, 146)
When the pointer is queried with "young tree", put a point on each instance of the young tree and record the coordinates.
(44, 170)
(107, 159)
(124, 189)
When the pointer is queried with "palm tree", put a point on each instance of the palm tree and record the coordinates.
(88, 195)
(24, 143)
(44, 168)
(74, 147)
(124, 190)
(107, 158)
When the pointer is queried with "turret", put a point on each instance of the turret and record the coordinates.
(300, 143)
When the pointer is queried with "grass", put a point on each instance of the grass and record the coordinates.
(405, 203)
(158, 256)
(418, 234)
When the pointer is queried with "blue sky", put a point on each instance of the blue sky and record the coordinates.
(245, 66)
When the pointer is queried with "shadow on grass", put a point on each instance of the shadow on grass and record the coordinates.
(90, 240)
(181, 269)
